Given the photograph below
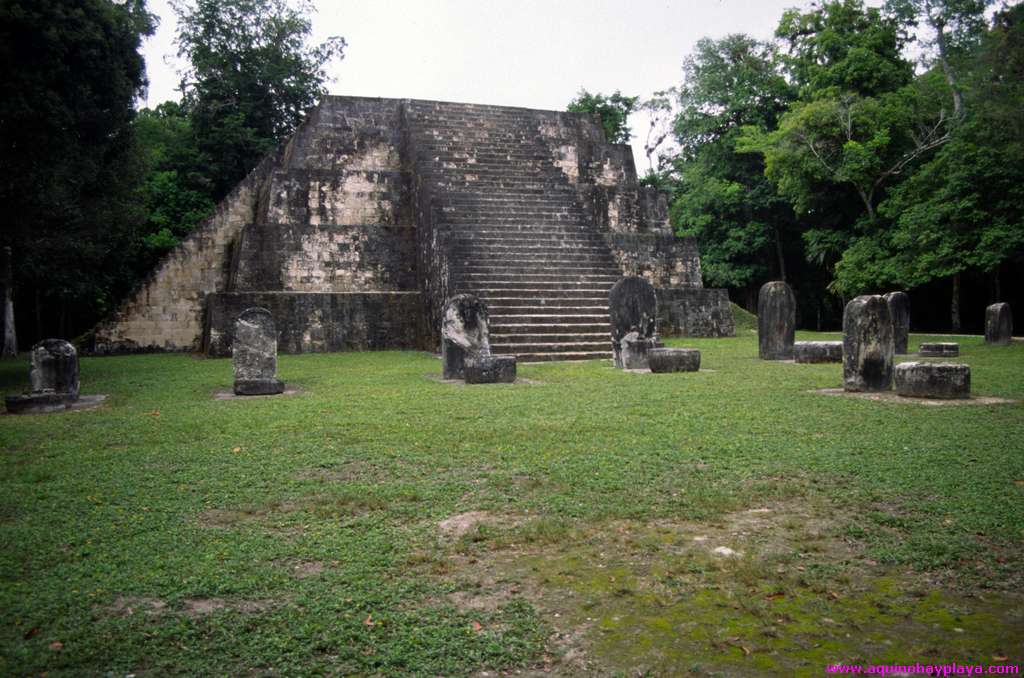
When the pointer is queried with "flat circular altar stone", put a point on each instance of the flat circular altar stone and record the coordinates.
(673, 359)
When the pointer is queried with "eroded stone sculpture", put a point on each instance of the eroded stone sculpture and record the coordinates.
(868, 348)
(633, 306)
(254, 353)
(899, 309)
(933, 380)
(54, 378)
(776, 321)
(998, 324)
(464, 334)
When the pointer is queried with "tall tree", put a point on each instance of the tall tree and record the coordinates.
(252, 74)
(613, 110)
(72, 70)
(723, 197)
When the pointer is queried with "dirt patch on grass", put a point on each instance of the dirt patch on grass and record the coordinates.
(458, 526)
(302, 569)
(893, 397)
(776, 588)
(127, 606)
(199, 607)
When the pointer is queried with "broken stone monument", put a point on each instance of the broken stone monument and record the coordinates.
(490, 369)
(776, 321)
(54, 377)
(939, 350)
(464, 334)
(899, 309)
(933, 380)
(254, 353)
(998, 324)
(673, 359)
(818, 351)
(633, 307)
(867, 344)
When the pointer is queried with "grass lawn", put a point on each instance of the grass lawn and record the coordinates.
(588, 522)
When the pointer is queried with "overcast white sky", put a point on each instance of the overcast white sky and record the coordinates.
(531, 53)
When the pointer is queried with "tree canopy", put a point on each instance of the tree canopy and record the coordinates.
(613, 110)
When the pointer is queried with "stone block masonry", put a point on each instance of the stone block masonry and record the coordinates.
(356, 232)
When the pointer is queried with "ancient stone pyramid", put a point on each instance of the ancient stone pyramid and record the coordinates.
(377, 210)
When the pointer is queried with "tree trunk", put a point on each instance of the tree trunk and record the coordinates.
(778, 253)
(954, 307)
(997, 288)
(947, 70)
(39, 315)
(10, 338)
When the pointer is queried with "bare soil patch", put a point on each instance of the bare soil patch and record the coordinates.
(892, 397)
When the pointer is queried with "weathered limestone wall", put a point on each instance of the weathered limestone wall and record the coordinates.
(313, 322)
(695, 312)
(166, 312)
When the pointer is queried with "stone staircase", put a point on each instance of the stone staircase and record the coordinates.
(521, 241)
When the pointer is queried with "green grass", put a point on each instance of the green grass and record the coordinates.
(171, 533)
(745, 320)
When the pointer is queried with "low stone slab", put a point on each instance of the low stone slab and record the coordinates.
(933, 380)
(490, 369)
(818, 351)
(673, 359)
(939, 350)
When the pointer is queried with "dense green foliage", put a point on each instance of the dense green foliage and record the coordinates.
(98, 192)
(828, 154)
(724, 198)
(251, 77)
(68, 163)
(169, 533)
(613, 110)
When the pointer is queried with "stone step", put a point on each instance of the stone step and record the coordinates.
(502, 338)
(568, 318)
(513, 266)
(536, 292)
(553, 347)
(538, 285)
(538, 259)
(519, 304)
(475, 247)
(574, 355)
(502, 327)
(557, 231)
(470, 239)
(526, 278)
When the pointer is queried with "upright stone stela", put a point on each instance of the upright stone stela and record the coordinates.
(357, 231)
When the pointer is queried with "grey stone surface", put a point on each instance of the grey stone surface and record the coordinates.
(695, 312)
(54, 379)
(933, 380)
(358, 230)
(673, 359)
(776, 321)
(899, 309)
(490, 369)
(939, 350)
(314, 323)
(998, 324)
(818, 351)
(633, 307)
(254, 354)
(464, 334)
(867, 344)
